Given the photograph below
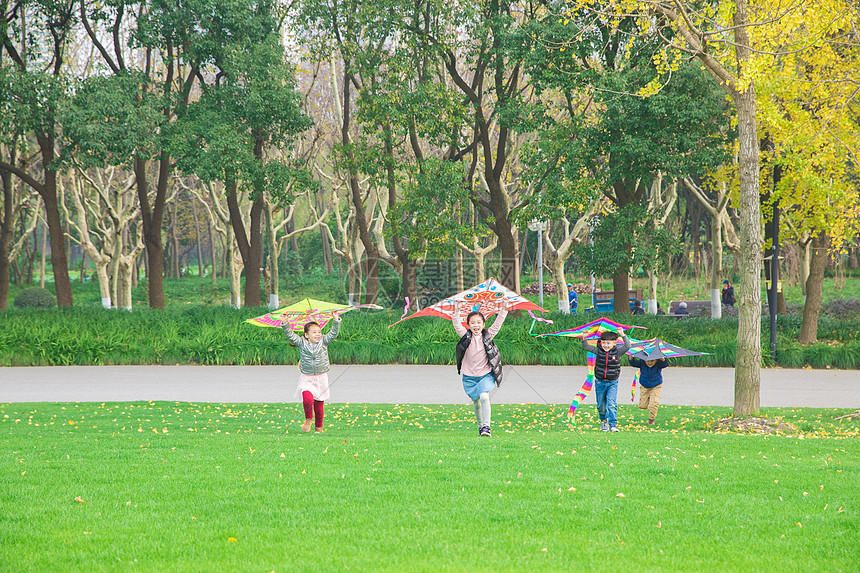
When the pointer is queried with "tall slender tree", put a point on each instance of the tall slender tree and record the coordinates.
(32, 88)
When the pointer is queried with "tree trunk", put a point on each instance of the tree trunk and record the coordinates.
(125, 284)
(509, 267)
(748, 353)
(212, 252)
(461, 279)
(232, 269)
(805, 266)
(116, 257)
(652, 292)
(814, 284)
(621, 289)
(176, 258)
(273, 271)
(717, 266)
(200, 264)
(48, 191)
(250, 245)
(43, 263)
(104, 281)
(6, 237)
(326, 251)
(152, 217)
(556, 269)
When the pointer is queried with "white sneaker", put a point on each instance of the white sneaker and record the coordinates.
(613, 429)
(604, 426)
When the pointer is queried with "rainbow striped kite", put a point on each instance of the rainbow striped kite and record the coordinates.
(655, 349)
(633, 387)
(589, 331)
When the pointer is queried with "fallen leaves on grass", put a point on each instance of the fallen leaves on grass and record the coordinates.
(753, 425)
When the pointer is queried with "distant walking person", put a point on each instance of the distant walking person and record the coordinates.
(572, 298)
(313, 369)
(479, 361)
(728, 294)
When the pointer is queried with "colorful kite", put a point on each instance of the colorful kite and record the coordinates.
(633, 386)
(484, 298)
(589, 331)
(297, 315)
(655, 349)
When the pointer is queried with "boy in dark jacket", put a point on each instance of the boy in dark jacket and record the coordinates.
(650, 384)
(607, 369)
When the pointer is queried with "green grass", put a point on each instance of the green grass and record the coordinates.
(236, 487)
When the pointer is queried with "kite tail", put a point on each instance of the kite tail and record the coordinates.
(586, 387)
(633, 387)
(534, 318)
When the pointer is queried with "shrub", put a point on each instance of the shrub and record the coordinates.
(35, 297)
(842, 308)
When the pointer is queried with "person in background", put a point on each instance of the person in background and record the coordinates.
(637, 308)
(727, 296)
(572, 298)
(660, 311)
(682, 309)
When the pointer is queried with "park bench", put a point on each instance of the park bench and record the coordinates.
(604, 300)
(693, 307)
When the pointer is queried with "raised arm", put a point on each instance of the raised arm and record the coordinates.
(458, 326)
(588, 347)
(500, 320)
(625, 344)
(291, 336)
(332, 334)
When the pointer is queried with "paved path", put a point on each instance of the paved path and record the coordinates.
(406, 384)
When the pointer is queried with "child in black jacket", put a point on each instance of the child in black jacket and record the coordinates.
(607, 369)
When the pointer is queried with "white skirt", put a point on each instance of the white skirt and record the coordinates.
(316, 384)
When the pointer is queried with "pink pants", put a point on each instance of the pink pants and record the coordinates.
(313, 408)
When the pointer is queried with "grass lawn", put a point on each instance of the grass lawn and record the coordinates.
(237, 487)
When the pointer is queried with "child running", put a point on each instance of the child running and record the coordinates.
(650, 384)
(479, 360)
(313, 369)
(607, 369)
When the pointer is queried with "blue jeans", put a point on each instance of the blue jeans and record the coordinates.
(606, 392)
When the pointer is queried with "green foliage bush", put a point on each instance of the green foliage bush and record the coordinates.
(35, 297)
(218, 335)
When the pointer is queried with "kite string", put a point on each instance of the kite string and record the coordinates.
(257, 457)
(527, 384)
(579, 431)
